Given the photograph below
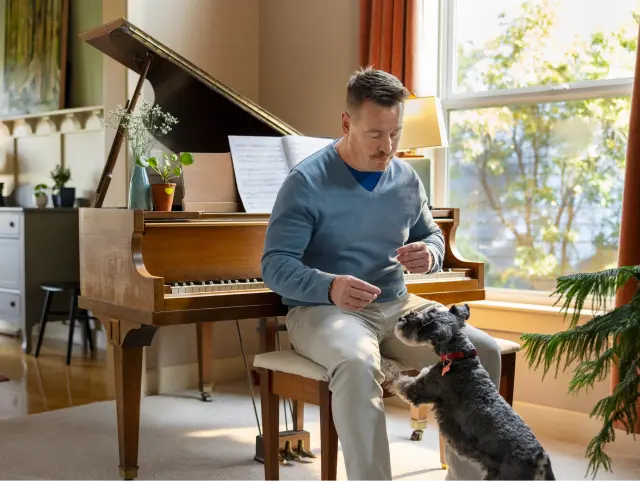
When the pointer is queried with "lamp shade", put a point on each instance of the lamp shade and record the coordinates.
(423, 124)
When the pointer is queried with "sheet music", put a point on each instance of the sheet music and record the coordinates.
(299, 147)
(260, 169)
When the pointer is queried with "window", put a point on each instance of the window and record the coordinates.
(537, 99)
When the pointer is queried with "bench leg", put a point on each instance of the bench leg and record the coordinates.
(270, 426)
(441, 441)
(418, 421)
(328, 436)
(508, 376)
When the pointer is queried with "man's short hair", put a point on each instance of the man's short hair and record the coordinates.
(368, 83)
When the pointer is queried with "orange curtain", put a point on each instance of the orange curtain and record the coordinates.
(629, 247)
(387, 37)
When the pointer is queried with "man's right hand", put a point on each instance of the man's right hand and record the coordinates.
(351, 293)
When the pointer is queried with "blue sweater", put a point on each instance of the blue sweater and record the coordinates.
(324, 223)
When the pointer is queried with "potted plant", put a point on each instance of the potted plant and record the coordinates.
(142, 128)
(610, 337)
(168, 168)
(41, 195)
(62, 196)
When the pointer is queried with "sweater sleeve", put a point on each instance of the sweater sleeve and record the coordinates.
(426, 230)
(290, 229)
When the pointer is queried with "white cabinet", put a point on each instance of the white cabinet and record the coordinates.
(36, 246)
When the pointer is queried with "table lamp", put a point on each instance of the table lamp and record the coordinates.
(423, 126)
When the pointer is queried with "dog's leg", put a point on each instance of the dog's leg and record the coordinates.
(416, 390)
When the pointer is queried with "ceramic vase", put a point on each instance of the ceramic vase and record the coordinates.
(139, 189)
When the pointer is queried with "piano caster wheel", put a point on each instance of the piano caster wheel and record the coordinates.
(444, 466)
(205, 397)
(416, 435)
(128, 473)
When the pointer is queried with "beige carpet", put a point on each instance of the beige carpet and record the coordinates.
(184, 438)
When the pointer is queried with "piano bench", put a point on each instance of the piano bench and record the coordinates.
(74, 314)
(287, 374)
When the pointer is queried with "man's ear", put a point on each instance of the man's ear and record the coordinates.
(346, 123)
(461, 312)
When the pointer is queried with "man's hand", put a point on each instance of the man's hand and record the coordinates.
(416, 257)
(348, 292)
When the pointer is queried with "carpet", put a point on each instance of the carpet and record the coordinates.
(184, 438)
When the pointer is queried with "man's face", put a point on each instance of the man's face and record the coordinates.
(373, 132)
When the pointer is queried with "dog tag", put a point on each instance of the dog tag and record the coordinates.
(446, 367)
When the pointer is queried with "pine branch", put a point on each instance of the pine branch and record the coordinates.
(620, 406)
(600, 285)
(582, 343)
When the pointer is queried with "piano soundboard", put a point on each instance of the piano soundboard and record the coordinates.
(189, 288)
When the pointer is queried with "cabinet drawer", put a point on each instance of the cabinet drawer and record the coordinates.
(10, 263)
(10, 306)
(9, 224)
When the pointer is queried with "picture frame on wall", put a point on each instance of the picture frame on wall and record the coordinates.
(33, 52)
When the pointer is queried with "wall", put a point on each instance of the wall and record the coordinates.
(308, 49)
(84, 66)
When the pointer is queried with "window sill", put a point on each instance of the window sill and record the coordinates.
(528, 308)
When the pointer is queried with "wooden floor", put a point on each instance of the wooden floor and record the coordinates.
(47, 383)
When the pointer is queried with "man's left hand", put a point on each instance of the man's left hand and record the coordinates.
(416, 257)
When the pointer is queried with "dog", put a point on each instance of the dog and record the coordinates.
(474, 419)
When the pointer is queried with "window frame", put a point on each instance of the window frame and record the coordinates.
(466, 101)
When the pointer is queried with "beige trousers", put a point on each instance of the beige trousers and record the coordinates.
(349, 345)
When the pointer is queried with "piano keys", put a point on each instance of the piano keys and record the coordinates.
(141, 271)
(187, 288)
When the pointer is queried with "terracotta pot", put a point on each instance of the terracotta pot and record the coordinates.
(163, 196)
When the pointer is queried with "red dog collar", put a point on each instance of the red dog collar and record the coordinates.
(449, 357)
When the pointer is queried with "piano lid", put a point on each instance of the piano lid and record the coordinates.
(208, 111)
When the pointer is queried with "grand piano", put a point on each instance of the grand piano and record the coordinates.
(212, 274)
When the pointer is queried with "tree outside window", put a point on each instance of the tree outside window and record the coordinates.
(538, 105)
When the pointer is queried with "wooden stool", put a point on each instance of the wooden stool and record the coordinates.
(287, 374)
(75, 313)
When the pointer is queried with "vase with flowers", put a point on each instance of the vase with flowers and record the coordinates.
(142, 128)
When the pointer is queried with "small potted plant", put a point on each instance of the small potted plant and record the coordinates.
(40, 193)
(62, 196)
(168, 168)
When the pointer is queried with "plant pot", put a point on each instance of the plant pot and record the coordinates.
(65, 198)
(41, 201)
(163, 196)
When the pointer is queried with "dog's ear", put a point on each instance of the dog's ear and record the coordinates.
(461, 312)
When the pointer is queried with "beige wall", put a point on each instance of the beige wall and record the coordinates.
(308, 49)
(85, 62)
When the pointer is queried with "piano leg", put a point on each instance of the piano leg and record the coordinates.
(128, 371)
(204, 331)
(128, 340)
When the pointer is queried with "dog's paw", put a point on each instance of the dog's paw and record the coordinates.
(400, 386)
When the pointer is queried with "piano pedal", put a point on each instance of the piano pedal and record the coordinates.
(286, 441)
(303, 452)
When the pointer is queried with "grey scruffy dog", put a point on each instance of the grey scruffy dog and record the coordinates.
(473, 417)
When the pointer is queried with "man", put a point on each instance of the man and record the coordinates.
(345, 222)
